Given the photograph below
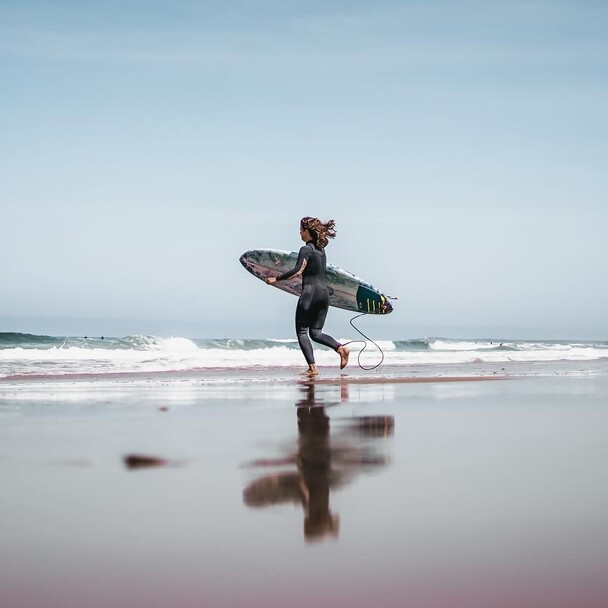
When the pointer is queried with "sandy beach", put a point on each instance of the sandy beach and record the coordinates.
(283, 492)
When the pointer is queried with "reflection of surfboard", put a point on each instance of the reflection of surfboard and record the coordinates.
(345, 289)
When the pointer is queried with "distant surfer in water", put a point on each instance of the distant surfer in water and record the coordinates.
(313, 304)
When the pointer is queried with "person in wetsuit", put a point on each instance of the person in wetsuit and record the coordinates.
(313, 304)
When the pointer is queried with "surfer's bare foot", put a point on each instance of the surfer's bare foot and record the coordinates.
(312, 370)
(343, 351)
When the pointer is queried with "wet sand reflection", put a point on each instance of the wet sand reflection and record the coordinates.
(324, 460)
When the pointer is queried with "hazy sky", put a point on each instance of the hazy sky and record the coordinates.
(461, 147)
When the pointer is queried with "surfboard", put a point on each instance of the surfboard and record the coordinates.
(346, 290)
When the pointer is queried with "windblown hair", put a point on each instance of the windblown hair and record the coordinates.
(320, 231)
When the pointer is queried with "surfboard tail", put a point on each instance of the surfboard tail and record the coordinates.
(373, 302)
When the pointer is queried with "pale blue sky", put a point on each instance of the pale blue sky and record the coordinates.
(461, 148)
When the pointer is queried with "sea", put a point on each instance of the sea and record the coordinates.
(35, 358)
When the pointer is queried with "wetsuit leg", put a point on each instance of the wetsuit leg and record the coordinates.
(311, 313)
(316, 326)
(303, 311)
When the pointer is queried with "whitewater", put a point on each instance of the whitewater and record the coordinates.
(26, 356)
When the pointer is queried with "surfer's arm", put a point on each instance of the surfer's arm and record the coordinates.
(298, 269)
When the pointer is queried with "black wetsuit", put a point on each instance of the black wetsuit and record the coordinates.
(314, 300)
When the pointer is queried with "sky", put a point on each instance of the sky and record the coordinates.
(460, 146)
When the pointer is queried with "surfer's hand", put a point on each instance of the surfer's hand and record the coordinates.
(271, 280)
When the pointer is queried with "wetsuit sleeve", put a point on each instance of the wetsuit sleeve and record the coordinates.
(299, 267)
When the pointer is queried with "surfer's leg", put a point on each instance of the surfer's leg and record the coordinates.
(302, 326)
(305, 344)
(316, 327)
(317, 335)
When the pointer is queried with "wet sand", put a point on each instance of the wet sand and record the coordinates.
(367, 490)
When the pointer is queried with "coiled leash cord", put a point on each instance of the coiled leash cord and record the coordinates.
(364, 345)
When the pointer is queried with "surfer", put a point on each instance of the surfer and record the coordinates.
(313, 304)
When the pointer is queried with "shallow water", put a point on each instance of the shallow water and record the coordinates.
(275, 494)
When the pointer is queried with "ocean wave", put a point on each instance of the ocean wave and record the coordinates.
(415, 345)
(13, 339)
(453, 345)
(29, 355)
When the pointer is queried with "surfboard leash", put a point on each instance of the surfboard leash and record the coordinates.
(367, 338)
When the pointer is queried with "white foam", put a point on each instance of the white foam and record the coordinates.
(463, 346)
(175, 345)
(182, 354)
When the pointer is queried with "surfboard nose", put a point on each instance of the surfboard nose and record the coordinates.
(245, 260)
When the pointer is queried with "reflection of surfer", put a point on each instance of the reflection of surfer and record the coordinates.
(314, 463)
(313, 303)
(321, 464)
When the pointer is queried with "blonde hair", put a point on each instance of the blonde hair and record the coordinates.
(320, 231)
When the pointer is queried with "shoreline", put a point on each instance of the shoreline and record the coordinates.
(400, 380)
(286, 376)
(387, 373)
